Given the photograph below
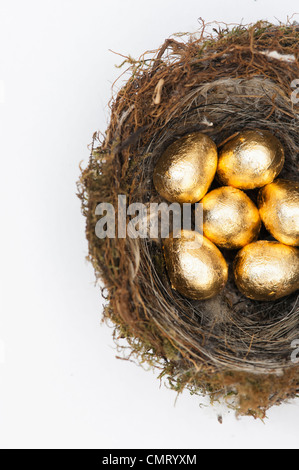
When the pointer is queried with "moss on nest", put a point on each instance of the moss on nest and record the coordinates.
(217, 84)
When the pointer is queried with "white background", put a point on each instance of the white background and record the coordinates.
(60, 384)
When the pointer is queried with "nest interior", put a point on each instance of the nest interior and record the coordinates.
(219, 84)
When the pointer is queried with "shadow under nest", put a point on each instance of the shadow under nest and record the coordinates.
(218, 84)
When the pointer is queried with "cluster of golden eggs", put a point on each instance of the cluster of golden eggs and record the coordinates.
(263, 270)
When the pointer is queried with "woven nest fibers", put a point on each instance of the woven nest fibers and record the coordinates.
(228, 346)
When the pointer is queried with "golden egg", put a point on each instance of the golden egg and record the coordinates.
(186, 169)
(250, 160)
(230, 219)
(267, 270)
(279, 209)
(195, 266)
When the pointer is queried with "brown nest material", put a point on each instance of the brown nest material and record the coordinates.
(218, 84)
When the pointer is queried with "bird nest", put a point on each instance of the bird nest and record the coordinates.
(220, 83)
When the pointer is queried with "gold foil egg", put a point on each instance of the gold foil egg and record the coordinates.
(250, 160)
(267, 270)
(186, 169)
(195, 266)
(230, 219)
(279, 209)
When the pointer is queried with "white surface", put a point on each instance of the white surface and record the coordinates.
(60, 384)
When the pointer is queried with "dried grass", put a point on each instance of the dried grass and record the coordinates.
(218, 84)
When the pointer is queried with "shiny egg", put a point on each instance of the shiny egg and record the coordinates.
(186, 169)
(279, 208)
(250, 160)
(195, 266)
(267, 270)
(230, 219)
